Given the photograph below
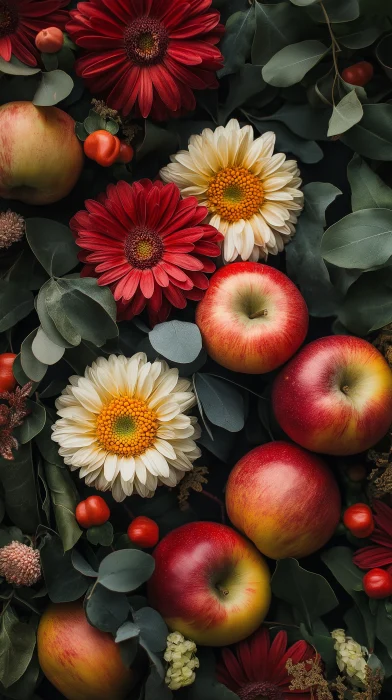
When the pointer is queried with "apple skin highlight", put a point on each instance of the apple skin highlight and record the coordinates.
(335, 396)
(210, 584)
(252, 318)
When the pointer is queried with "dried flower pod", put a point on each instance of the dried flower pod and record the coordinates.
(20, 564)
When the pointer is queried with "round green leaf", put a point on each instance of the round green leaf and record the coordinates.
(52, 244)
(372, 137)
(237, 40)
(125, 570)
(222, 403)
(367, 188)
(153, 628)
(33, 423)
(81, 565)
(178, 341)
(368, 303)
(106, 610)
(16, 67)
(291, 64)
(32, 367)
(15, 303)
(44, 350)
(346, 114)
(54, 87)
(361, 240)
(47, 324)
(63, 582)
(101, 534)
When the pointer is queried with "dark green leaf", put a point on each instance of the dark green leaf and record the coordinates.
(384, 626)
(309, 593)
(127, 631)
(63, 582)
(304, 120)
(286, 141)
(243, 85)
(178, 341)
(15, 303)
(20, 496)
(44, 350)
(20, 375)
(323, 643)
(156, 139)
(359, 38)
(33, 423)
(305, 265)
(17, 643)
(340, 561)
(53, 245)
(81, 565)
(153, 629)
(368, 304)
(237, 40)
(361, 240)
(276, 27)
(47, 324)
(54, 87)
(220, 443)
(125, 570)
(49, 449)
(222, 403)
(64, 498)
(372, 137)
(24, 687)
(206, 685)
(156, 687)
(80, 131)
(101, 534)
(336, 10)
(50, 61)
(291, 64)
(2, 509)
(16, 67)
(106, 610)
(94, 122)
(112, 126)
(367, 188)
(346, 114)
(32, 367)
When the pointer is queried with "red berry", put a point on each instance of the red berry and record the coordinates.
(93, 511)
(49, 40)
(7, 379)
(126, 153)
(377, 583)
(103, 147)
(143, 531)
(359, 74)
(359, 520)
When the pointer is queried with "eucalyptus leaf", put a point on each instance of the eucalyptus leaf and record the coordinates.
(346, 114)
(81, 565)
(16, 67)
(237, 40)
(372, 137)
(276, 27)
(20, 497)
(33, 423)
(286, 141)
(94, 122)
(367, 188)
(340, 561)
(125, 570)
(47, 447)
(47, 324)
(368, 303)
(153, 629)
(54, 87)
(222, 403)
(303, 3)
(15, 304)
(101, 534)
(243, 85)
(52, 244)
(127, 631)
(361, 240)
(33, 368)
(291, 64)
(304, 120)
(44, 350)
(178, 341)
(63, 582)
(335, 10)
(64, 497)
(360, 38)
(106, 610)
(309, 593)
(17, 643)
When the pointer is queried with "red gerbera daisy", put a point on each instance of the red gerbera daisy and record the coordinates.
(149, 245)
(380, 553)
(20, 22)
(257, 668)
(150, 53)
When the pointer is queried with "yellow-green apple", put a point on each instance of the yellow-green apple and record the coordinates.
(41, 157)
(79, 660)
(252, 318)
(335, 396)
(286, 500)
(210, 584)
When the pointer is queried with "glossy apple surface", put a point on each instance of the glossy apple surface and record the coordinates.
(210, 584)
(335, 396)
(252, 318)
(79, 660)
(41, 157)
(286, 500)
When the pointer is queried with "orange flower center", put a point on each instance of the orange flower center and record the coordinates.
(235, 194)
(8, 18)
(126, 427)
(146, 41)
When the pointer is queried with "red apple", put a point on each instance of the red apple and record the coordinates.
(335, 396)
(286, 500)
(210, 584)
(41, 157)
(252, 318)
(79, 660)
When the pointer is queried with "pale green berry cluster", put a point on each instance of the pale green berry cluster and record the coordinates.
(350, 656)
(181, 656)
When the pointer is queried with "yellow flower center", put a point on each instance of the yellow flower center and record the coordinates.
(235, 194)
(126, 427)
(144, 249)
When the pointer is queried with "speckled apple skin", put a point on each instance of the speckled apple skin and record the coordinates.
(286, 500)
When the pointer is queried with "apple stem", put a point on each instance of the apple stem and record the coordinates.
(259, 314)
(216, 500)
(345, 389)
(224, 591)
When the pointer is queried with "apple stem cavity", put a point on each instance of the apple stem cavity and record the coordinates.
(222, 591)
(259, 314)
(345, 389)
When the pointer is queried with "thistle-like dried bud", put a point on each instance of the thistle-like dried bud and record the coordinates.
(20, 564)
(12, 228)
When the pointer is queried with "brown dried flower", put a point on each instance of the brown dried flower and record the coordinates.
(101, 108)
(12, 228)
(192, 480)
(11, 417)
(20, 564)
(309, 676)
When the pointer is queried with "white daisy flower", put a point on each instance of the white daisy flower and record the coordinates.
(251, 194)
(124, 425)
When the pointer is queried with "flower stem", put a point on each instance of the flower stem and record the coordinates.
(217, 501)
(335, 49)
